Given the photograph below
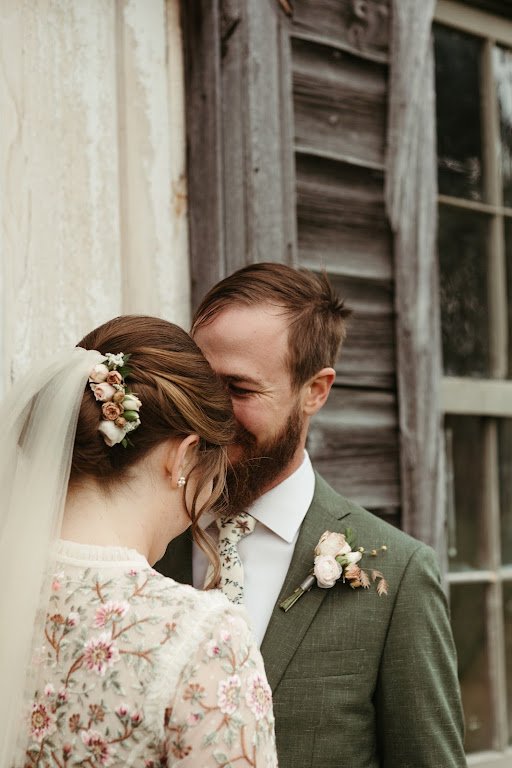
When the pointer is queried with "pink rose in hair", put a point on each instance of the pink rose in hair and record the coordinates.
(99, 373)
(104, 392)
(111, 411)
(114, 377)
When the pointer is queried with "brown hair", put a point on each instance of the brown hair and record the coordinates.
(316, 314)
(180, 395)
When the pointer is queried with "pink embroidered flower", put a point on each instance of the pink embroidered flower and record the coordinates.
(42, 722)
(258, 696)
(103, 392)
(73, 619)
(114, 377)
(97, 746)
(193, 718)
(57, 581)
(62, 695)
(110, 611)
(111, 411)
(225, 636)
(327, 571)
(136, 718)
(100, 653)
(228, 695)
(212, 649)
(122, 710)
(49, 690)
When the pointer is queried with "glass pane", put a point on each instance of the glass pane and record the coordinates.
(459, 133)
(468, 611)
(463, 289)
(507, 607)
(465, 464)
(505, 475)
(502, 64)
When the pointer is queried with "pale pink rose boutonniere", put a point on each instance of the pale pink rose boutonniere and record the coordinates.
(337, 558)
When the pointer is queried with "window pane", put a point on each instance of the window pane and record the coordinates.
(507, 607)
(502, 61)
(505, 475)
(466, 466)
(468, 610)
(464, 306)
(459, 134)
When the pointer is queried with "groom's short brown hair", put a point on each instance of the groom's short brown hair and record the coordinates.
(317, 316)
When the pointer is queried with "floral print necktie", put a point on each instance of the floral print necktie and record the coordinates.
(231, 530)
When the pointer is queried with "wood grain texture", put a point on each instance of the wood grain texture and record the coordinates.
(353, 444)
(201, 38)
(411, 202)
(341, 218)
(360, 27)
(340, 101)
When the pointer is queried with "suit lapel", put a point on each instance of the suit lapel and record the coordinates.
(177, 561)
(286, 630)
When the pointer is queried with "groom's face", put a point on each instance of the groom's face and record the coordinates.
(248, 347)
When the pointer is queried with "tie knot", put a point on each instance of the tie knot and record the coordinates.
(235, 528)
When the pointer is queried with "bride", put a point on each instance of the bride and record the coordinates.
(106, 455)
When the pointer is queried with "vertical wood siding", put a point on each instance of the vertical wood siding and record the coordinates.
(340, 92)
(93, 202)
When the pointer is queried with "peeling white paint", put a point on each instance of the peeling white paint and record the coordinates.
(89, 159)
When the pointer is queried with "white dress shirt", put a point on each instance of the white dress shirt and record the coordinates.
(267, 552)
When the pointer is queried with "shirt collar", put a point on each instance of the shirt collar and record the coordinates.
(283, 508)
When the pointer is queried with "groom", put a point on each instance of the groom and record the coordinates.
(359, 680)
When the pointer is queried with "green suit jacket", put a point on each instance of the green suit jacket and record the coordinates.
(358, 680)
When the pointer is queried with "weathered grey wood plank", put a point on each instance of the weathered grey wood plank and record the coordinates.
(411, 188)
(368, 355)
(201, 36)
(353, 443)
(341, 219)
(258, 162)
(361, 27)
(340, 102)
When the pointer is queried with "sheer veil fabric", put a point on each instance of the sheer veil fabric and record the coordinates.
(38, 423)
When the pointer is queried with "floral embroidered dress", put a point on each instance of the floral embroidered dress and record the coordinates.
(137, 670)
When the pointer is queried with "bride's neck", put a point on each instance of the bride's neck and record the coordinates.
(95, 516)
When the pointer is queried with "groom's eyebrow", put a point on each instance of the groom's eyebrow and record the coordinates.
(238, 379)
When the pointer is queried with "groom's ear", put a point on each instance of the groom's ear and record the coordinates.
(316, 390)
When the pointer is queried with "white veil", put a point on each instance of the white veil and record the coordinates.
(37, 429)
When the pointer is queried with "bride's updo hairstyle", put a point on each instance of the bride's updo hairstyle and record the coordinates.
(180, 395)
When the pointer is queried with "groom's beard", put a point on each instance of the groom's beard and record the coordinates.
(260, 464)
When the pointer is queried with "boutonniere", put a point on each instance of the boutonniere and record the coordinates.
(336, 557)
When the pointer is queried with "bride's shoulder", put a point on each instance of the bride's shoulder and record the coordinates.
(199, 602)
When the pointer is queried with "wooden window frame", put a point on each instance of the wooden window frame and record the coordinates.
(490, 398)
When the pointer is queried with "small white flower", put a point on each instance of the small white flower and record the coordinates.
(49, 690)
(353, 557)
(116, 361)
(327, 571)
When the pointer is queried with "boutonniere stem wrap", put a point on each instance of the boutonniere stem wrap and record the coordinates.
(336, 557)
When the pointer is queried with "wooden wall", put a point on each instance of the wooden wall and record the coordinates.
(339, 74)
(286, 129)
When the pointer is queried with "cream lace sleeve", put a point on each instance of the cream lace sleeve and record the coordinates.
(222, 710)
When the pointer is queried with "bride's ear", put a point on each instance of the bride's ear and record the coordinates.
(181, 458)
